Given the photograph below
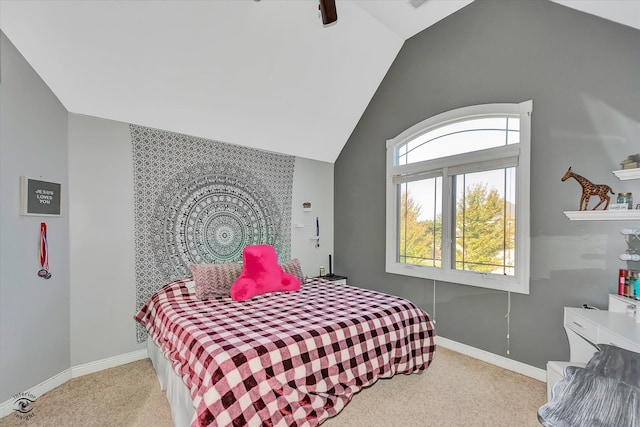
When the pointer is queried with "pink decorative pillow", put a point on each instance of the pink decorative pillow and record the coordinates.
(261, 274)
(214, 280)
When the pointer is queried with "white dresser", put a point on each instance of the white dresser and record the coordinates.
(585, 328)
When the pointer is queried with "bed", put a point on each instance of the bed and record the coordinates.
(283, 358)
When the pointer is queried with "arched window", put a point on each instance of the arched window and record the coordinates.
(458, 197)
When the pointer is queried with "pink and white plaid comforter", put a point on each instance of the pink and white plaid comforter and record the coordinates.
(286, 358)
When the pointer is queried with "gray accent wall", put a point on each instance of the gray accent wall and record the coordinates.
(34, 312)
(582, 73)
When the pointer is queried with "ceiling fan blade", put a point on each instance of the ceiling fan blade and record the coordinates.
(416, 3)
(328, 11)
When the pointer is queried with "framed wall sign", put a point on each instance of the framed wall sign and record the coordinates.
(41, 198)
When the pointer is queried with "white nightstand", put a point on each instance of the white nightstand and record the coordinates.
(340, 280)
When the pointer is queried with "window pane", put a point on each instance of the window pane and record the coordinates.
(420, 222)
(485, 221)
(461, 137)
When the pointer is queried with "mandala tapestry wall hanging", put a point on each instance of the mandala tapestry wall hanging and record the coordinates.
(201, 201)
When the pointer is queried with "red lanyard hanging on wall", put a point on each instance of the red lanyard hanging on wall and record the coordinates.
(44, 252)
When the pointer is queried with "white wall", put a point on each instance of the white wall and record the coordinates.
(312, 182)
(102, 234)
(103, 296)
(34, 312)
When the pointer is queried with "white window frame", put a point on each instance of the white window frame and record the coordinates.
(520, 153)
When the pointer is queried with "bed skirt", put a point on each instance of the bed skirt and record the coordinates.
(180, 401)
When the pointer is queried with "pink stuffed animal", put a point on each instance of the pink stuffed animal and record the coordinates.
(261, 274)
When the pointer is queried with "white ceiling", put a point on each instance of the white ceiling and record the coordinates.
(264, 74)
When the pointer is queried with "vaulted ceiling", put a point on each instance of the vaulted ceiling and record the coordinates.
(264, 74)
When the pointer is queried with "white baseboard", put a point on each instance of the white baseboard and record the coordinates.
(109, 362)
(57, 380)
(494, 359)
(8, 407)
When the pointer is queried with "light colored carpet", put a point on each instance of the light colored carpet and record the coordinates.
(456, 390)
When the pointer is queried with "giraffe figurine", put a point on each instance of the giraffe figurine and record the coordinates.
(589, 189)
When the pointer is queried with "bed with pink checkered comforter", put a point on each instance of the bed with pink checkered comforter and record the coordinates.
(285, 358)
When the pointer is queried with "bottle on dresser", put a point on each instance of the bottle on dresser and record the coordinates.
(629, 283)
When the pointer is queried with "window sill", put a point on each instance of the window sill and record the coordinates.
(515, 284)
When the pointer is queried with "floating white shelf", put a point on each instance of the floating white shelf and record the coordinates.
(625, 174)
(628, 215)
